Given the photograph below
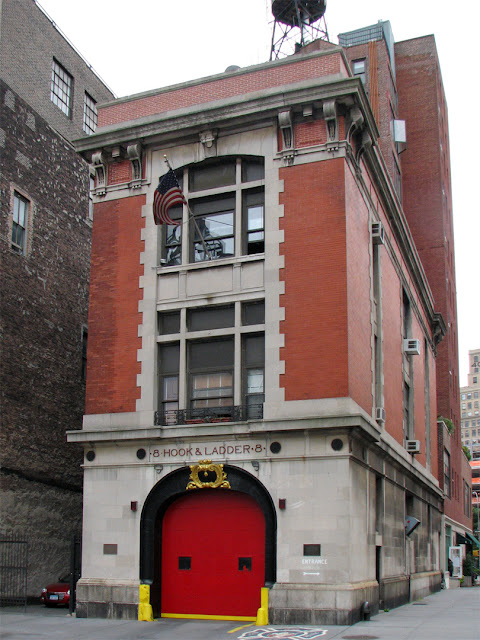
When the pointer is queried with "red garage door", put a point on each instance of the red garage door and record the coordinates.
(213, 555)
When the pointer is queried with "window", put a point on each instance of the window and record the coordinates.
(446, 473)
(226, 198)
(19, 223)
(210, 175)
(89, 114)
(406, 411)
(467, 502)
(84, 352)
(254, 371)
(212, 231)
(474, 379)
(90, 195)
(173, 238)
(253, 312)
(359, 68)
(211, 373)
(61, 88)
(217, 376)
(169, 368)
(217, 317)
(254, 222)
(169, 322)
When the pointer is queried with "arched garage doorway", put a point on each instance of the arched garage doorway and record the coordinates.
(201, 529)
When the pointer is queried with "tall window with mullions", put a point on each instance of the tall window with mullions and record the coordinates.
(169, 355)
(254, 374)
(226, 216)
(19, 223)
(173, 238)
(211, 374)
(61, 90)
(214, 222)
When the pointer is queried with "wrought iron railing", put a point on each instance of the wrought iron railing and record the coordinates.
(13, 570)
(209, 415)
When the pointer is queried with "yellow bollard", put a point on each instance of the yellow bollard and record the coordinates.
(262, 613)
(145, 611)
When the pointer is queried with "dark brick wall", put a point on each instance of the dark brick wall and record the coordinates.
(28, 45)
(44, 307)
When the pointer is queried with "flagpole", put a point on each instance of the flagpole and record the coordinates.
(192, 217)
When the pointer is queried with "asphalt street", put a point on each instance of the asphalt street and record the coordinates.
(447, 615)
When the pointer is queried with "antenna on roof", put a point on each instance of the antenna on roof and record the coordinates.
(292, 16)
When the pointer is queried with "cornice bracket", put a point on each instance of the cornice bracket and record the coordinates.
(134, 153)
(100, 168)
(208, 139)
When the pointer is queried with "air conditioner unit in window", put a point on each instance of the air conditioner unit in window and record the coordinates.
(412, 347)
(378, 233)
(413, 446)
(380, 414)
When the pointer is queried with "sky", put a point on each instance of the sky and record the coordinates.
(147, 44)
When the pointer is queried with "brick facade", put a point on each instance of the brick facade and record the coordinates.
(428, 208)
(44, 310)
(44, 287)
(28, 45)
(113, 315)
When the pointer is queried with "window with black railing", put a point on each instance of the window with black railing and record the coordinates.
(209, 386)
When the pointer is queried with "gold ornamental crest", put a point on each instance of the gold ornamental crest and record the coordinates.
(207, 475)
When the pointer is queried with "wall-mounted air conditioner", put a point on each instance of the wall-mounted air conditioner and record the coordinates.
(399, 131)
(413, 446)
(378, 233)
(412, 347)
(380, 414)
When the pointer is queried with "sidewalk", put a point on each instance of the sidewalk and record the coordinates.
(448, 615)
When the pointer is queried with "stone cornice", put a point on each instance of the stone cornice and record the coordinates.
(253, 110)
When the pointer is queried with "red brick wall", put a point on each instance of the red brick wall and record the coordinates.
(315, 276)
(119, 172)
(427, 195)
(293, 71)
(392, 347)
(113, 320)
(428, 208)
(359, 301)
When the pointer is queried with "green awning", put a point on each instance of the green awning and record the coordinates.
(473, 539)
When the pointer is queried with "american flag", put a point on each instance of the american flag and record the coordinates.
(167, 194)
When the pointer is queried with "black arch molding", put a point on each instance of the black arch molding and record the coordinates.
(171, 487)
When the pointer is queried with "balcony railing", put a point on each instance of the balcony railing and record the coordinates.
(209, 415)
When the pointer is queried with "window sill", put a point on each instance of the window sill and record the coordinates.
(208, 264)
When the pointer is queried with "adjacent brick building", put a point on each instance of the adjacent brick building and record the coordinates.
(404, 83)
(281, 373)
(45, 263)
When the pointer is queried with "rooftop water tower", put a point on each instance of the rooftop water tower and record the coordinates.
(297, 22)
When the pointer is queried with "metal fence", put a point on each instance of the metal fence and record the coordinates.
(13, 570)
(75, 569)
(209, 415)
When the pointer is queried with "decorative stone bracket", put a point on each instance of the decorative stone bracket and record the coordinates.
(285, 123)
(331, 120)
(208, 139)
(134, 153)
(100, 168)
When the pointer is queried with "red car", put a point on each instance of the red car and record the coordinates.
(57, 594)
